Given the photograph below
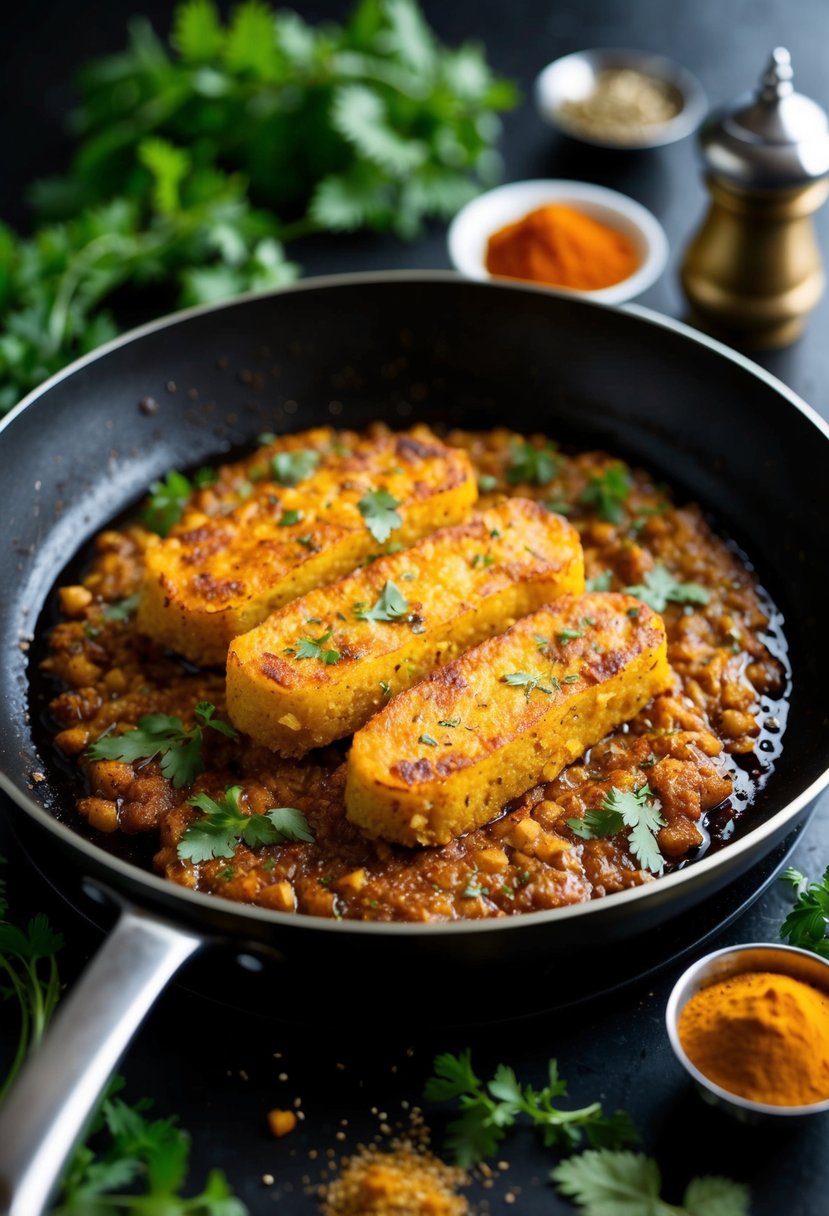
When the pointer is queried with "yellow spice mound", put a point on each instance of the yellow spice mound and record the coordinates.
(402, 1182)
(762, 1036)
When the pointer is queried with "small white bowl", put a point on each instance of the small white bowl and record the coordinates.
(475, 223)
(722, 965)
(573, 78)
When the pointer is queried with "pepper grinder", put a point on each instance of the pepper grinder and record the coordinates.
(753, 272)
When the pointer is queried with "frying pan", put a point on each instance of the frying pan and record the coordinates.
(401, 347)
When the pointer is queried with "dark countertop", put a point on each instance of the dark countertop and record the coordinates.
(220, 1069)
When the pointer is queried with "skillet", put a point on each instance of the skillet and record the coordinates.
(401, 347)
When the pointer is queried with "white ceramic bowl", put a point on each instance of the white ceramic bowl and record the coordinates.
(721, 965)
(573, 78)
(472, 227)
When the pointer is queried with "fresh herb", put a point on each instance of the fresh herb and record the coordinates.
(638, 810)
(168, 498)
(482, 559)
(224, 824)
(600, 582)
(289, 518)
(313, 648)
(532, 465)
(489, 1110)
(473, 889)
(806, 924)
(558, 507)
(487, 483)
(494, 534)
(607, 1183)
(645, 513)
(385, 688)
(30, 973)
(661, 588)
(451, 723)
(208, 136)
(528, 680)
(633, 613)
(122, 610)
(146, 1158)
(573, 679)
(541, 642)
(607, 492)
(289, 468)
(568, 635)
(377, 509)
(205, 477)
(391, 606)
(165, 735)
(307, 541)
(428, 740)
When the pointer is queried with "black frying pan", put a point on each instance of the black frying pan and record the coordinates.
(398, 347)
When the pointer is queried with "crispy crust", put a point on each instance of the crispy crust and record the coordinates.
(461, 584)
(509, 736)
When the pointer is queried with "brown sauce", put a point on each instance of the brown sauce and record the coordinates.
(704, 749)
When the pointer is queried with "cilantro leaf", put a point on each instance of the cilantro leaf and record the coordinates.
(377, 508)
(531, 465)
(487, 1111)
(608, 491)
(807, 923)
(392, 605)
(122, 610)
(661, 588)
(198, 33)
(639, 811)
(313, 648)
(429, 740)
(225, 824)
(289, 468)
(164, 735)
(168, 498)
(528, 680)
(600, 582)
(612, 1183)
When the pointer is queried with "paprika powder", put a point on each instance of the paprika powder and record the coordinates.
(761, 1035)
(562, 247)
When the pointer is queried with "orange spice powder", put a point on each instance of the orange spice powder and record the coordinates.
(762, 1036)
(563, 247)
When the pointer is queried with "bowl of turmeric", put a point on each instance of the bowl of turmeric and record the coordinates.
(568, 236)
(750, 1024)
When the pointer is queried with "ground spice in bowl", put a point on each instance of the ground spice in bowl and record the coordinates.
(623, 105)
(562, 247)
(762, 1036)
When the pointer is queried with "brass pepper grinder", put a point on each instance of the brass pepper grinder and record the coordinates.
(753, 272)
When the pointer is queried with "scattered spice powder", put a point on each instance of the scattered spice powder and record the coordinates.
(622, 106)
(405, 1181)
(762, 1036)
(281, 1122)
(561, 246)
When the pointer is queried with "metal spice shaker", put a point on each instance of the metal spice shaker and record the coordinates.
(753, 272)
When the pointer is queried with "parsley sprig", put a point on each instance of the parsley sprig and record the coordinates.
(806, 925)
(224, 824)
(639, 810)
(391, 605)
(618, 1183)
(661, 588)
(488, 1110)
(377, 508)
(165, 735)
(607, 492)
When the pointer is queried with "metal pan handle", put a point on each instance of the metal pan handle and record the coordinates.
(48, 1108)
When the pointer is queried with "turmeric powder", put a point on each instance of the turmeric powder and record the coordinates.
(762, 1036)
(563, 247)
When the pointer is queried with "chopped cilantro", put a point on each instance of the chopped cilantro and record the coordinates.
(289, 468)
(639, 811)
(391, 606)
(532, 465)
(290, 517)
(482, 559)
(558, 507)
(167, 501)
(608, 491)
(487, 483)
(122, 610)
(600, 582)
(568, 635)
(377, 508)
(528, 680)
(428, 740)
(313, 648)
(224, 824)
(661, 588)
(164, 735)
(385, 688)
(450, 722)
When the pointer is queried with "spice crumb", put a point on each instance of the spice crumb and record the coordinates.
(268, 1179)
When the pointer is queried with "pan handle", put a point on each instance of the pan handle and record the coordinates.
(50, 1104)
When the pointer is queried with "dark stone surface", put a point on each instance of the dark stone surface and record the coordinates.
(219, 1068)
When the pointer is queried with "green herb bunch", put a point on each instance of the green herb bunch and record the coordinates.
(199, 158)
